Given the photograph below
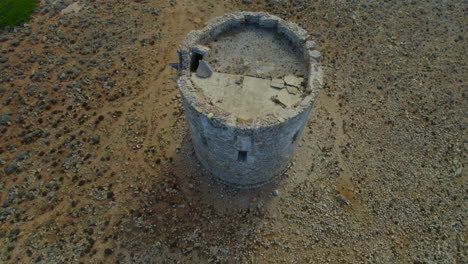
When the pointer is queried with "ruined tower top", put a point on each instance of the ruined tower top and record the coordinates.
(249, 69)
(248, 83)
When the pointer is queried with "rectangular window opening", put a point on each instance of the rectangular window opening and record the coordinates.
(204, 140)
(242, 156)
(294, 138)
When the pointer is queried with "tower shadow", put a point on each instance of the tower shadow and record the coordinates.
(194, 216)
(196, 183)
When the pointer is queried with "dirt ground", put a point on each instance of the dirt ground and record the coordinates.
(96, 163)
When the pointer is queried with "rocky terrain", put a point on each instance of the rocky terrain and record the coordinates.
(96, 164)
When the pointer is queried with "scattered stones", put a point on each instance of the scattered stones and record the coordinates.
(311, 44)
(287, 98)
(276, 100)
(342, 201)
(277, 83)
(275, 192)
(315, 54)
(292, 80)
(281, 119)
(292, 90)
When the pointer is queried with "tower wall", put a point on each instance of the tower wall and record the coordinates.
(239, 152)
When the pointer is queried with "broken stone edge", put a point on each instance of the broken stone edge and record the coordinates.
(195, 100)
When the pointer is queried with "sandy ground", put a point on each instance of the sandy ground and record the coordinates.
(96, 164)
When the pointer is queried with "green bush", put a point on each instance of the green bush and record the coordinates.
(15, 12)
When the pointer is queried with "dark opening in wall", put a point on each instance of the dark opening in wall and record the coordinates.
(242, 156)
(294, 138)
(196, 57)
(204, 141)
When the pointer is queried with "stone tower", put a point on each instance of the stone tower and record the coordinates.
(248, 82)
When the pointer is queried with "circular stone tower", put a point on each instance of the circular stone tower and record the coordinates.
(248, 82)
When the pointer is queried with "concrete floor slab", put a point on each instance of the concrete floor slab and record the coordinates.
(244, 96)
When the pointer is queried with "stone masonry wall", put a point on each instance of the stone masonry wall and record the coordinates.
(243, 154)
(268, 149)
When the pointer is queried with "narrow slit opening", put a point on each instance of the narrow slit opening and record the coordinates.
(204, 140)
(294, 138)
(242, 156)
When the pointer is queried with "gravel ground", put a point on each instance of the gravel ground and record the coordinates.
(96, 164)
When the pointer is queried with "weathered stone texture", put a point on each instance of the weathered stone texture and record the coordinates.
(245, 153)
